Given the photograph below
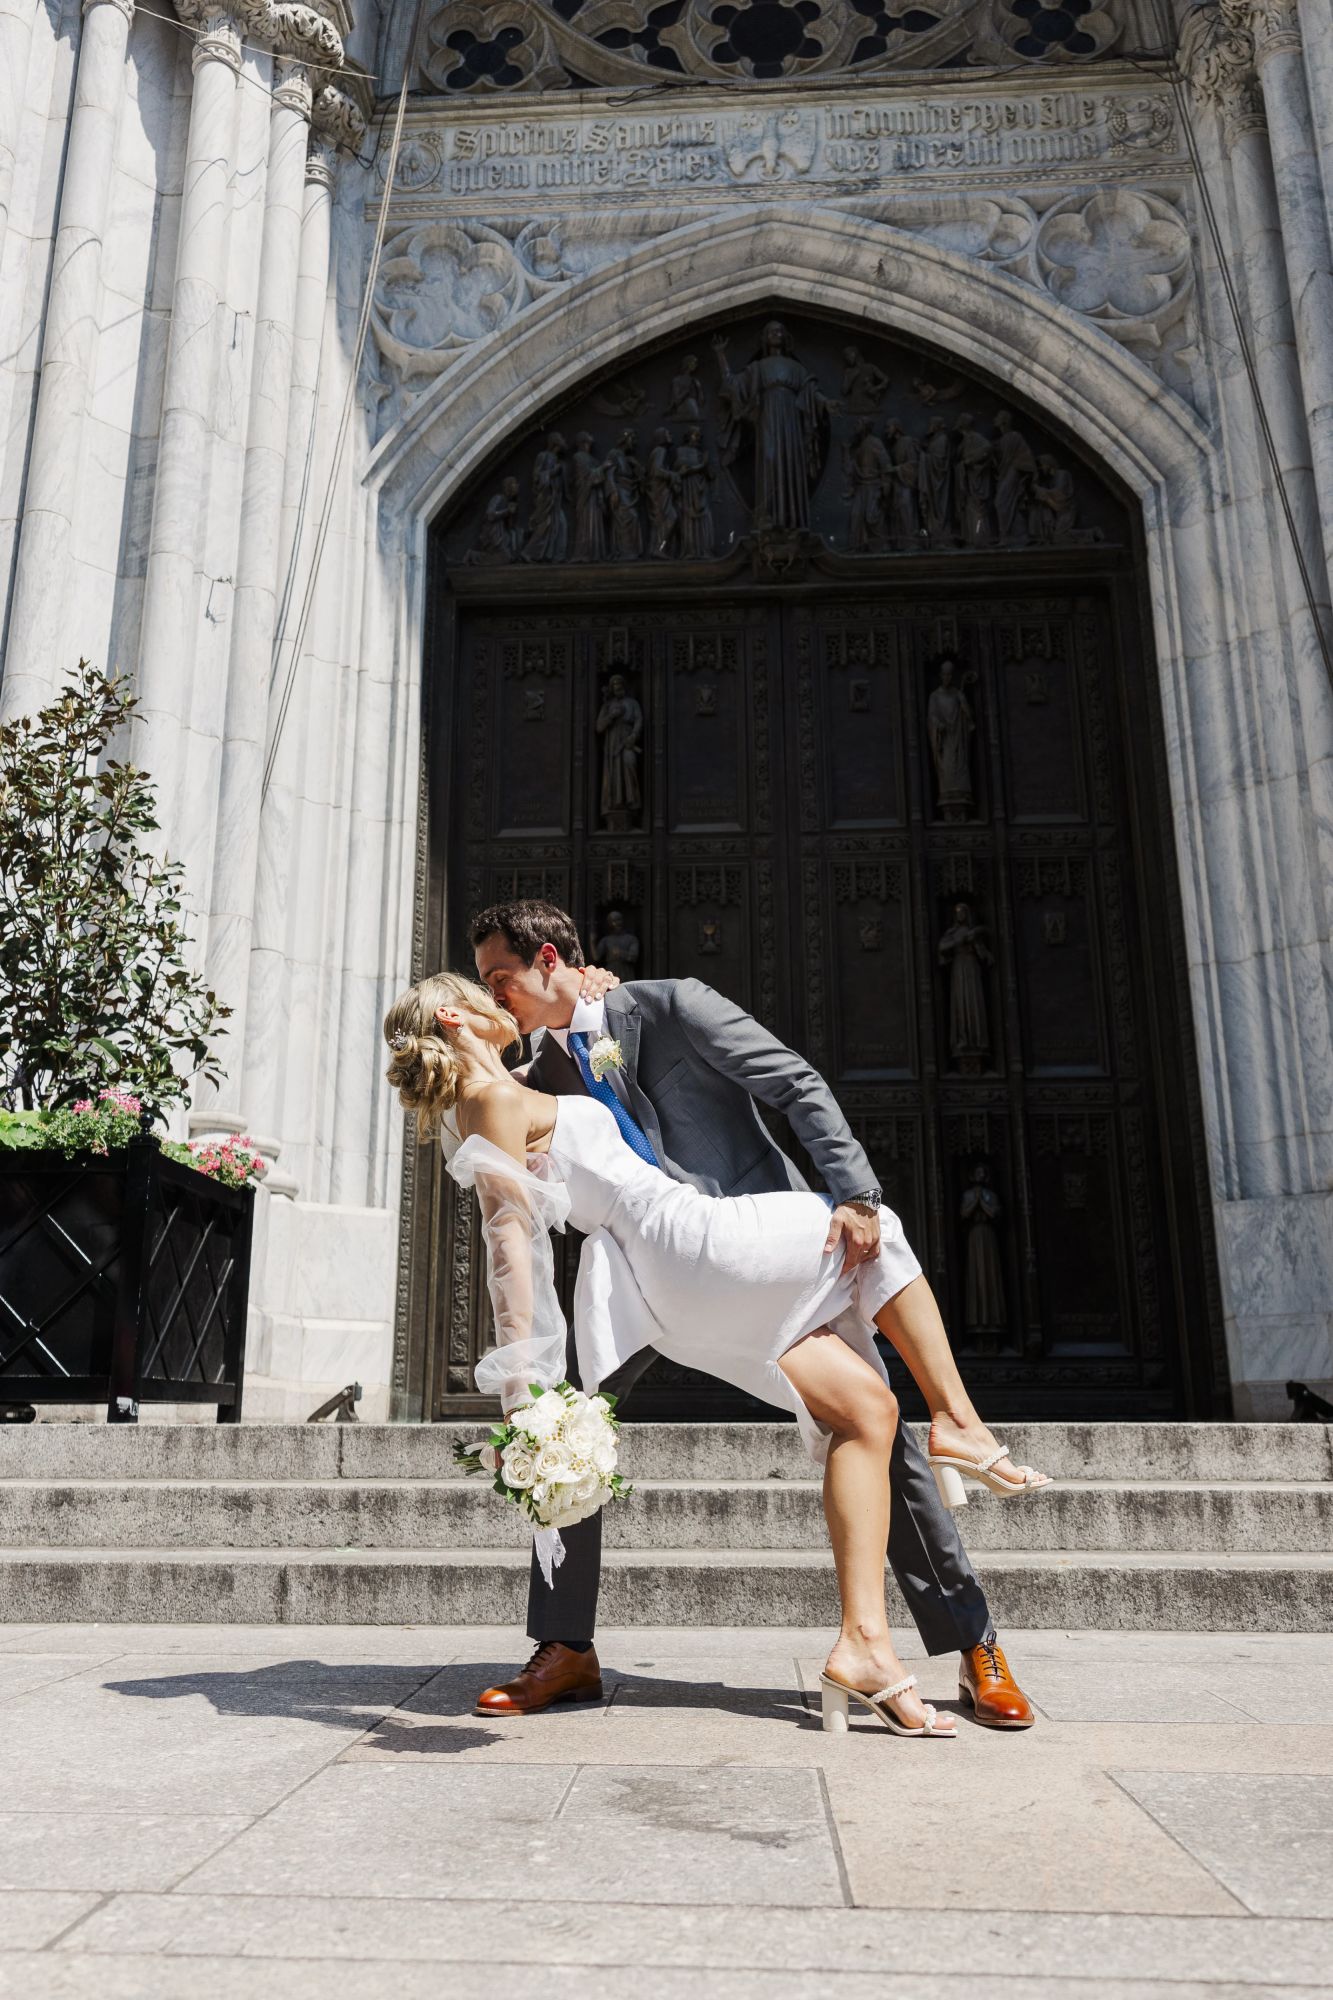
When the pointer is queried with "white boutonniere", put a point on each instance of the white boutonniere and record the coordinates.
(604, 1054)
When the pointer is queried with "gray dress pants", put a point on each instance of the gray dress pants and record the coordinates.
(927, 1557)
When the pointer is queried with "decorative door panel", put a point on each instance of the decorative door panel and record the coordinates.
(812, 671)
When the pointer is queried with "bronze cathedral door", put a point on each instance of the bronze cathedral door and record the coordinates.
(907, 810)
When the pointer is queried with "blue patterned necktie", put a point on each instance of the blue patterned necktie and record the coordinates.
(630, 1129)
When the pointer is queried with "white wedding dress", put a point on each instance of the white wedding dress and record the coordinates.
(723, 1284)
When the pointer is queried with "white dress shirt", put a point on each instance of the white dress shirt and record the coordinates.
(588, 1018)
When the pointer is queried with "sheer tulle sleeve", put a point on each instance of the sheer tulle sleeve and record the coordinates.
(519, 1209)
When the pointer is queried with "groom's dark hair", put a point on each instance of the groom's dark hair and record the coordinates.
(527, 927)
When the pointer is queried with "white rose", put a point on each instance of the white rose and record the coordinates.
(604, 1455)
(583, 1430)
(517, 1465)
(488, 1457)
(544, 1417)
(554, 1461)
(588, 1487)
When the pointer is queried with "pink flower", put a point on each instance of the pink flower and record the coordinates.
(83, 1104)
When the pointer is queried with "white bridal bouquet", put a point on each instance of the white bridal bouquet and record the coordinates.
(555, 1456)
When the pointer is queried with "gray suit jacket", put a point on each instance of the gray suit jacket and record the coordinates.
(694, 1066)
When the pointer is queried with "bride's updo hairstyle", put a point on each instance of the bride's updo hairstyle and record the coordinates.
(424, 1068)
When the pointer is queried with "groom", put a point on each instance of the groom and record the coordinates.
(695, 1068)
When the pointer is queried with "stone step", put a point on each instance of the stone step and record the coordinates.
(1192, 1590)
(1281, 1453)
(772, 1514)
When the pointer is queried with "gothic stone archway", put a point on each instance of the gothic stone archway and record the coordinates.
(952, 884)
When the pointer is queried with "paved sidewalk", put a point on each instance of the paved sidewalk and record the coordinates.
(228, 1813)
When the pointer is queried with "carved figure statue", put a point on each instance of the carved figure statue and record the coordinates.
(983, 1289)
(1014, 469)
(696, 472)
(780, 402)
(863, 384)
(548, 528)
(931, 393)
(1053, 517)
(619, 950)
(620, 726)
(963, 949)
(624, 483)
(498, 536)
(589, 501)
(936, 474)
(949, 725)
(972, 488)
(685, 391)
(869, 470)
(905, 488)
(662, 486)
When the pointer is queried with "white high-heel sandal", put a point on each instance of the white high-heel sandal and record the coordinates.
(950, 1470)
(837, 1695)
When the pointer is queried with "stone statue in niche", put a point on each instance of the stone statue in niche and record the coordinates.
(684, 403)
(1015, 466)
(705, 698)
(589, 476)
(936, 477)
(619, 949)
(949, 726)
(534, 704)
(871, 933)
(869, 470)
(624, 484)
(1053, 517)
(620, 726)
(983, 1287)
(695, 472)
(779, 401)
(964, 951)
(972, 484)
(498, 537)
(662, 485)
(548, 526)
(710, 935)
(905, 488)
(863, 384)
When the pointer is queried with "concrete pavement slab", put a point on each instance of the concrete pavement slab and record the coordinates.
(101, 1850)
(94, 1977)
(1266, 1838)
(31, 1918)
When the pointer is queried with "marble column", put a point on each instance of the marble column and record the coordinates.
(312, 297)
(257, 575)
(165, 677)
(1305, 234)
(35, 659)
(16, 18)
(1316, 19)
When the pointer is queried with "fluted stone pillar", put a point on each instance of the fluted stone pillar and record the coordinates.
(1305, 233)
(169, 613)
(16, 18)
(257, 574)
(312, 297)
(35, 650)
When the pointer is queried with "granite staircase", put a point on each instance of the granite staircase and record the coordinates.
(1217, 1527)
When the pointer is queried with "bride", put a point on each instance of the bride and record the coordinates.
(740, 1287)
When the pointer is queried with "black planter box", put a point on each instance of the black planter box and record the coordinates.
(123, 1277)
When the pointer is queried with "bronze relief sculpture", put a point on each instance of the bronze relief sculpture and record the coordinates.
(779, 402)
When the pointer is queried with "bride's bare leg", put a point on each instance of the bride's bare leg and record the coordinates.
(912, 1322)
(845, 1393)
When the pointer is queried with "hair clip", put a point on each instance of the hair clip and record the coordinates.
(399, 1042)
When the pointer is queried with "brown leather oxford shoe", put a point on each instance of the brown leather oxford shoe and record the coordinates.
(997, 1700)
(554, 1673)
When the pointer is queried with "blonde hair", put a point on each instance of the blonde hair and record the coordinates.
(424, 1069)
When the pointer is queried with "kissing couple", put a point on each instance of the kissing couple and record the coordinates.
(704, 1243)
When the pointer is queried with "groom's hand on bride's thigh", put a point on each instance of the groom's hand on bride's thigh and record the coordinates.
(856, 1232)
(597, 982)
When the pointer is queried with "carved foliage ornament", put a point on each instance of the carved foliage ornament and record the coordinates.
(299, 32)
(502, 45)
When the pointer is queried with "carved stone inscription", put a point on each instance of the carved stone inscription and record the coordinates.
(779, 432)
(655, 151)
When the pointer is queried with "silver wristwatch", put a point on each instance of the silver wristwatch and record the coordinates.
(868, 1200)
